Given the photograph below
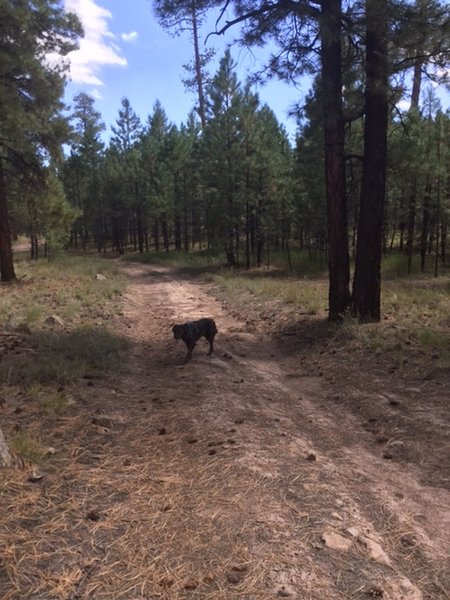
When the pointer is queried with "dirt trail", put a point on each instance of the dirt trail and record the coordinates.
(299, 469)
(244, 475)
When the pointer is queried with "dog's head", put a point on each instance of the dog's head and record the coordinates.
(178, 331)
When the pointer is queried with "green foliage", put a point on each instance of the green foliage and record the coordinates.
(34, 39)
(28, 446)
(53, 401)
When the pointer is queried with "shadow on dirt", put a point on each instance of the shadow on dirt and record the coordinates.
(62, 357)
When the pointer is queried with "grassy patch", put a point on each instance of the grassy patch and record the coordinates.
(53, 401)
(208, 261)
(66, 286)
(396, 265)
(415, 321)
(28, 446)
(80, 343)
(62, 357)
(199, 261)
(308, 296)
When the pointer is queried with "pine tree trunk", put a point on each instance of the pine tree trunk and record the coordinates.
(247, 220)
(177, 233)
(6, 255)
(367, 280)
(186, 228)
(411, 225)
(425, 225)
(165, 229)
(156, 236)
(198, 68)
(338, 254)
(140, 229)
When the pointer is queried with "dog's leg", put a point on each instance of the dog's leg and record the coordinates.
(211, 345)
(189, 354)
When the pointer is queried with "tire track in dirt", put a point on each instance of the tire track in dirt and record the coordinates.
(303, 472)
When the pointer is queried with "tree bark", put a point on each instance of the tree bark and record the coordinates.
(367, 280)
(198, 67)
(338, 254)
(6, 256)
(425, 233)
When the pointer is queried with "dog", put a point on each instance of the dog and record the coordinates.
(192, 331)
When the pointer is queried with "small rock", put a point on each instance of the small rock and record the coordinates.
(102, 421)
(236, 574)
(353, 531)
(335, 541)
(35, 476)
(54, 320)
(100, 277)
(191, 584)
(376, 552)
(311, 457)
(337, 516)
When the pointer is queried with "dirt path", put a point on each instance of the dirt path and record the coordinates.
(247, 475)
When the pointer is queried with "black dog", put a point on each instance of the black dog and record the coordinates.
(192, 331)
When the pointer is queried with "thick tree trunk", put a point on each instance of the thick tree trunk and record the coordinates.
(6, 256)
(338, 254)
(367, 281)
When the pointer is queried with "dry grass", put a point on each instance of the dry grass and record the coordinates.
(162, 525)
(158, 503)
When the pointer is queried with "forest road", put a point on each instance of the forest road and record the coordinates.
(241, 478)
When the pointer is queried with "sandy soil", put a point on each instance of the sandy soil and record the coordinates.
(278, 467)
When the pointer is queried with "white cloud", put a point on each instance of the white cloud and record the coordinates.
(97, 48)
(96, 94)
(130, 37)
(404, 105)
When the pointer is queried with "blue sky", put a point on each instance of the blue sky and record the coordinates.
(125, 52)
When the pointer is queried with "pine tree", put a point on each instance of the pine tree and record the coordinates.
(128, 130)
(32, 128)
(82, 168)
(222, 143)
(156, 157)
(179, 17)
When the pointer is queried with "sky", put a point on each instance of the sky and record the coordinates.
(126, 53)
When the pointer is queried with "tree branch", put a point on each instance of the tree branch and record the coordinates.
(284, 6)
